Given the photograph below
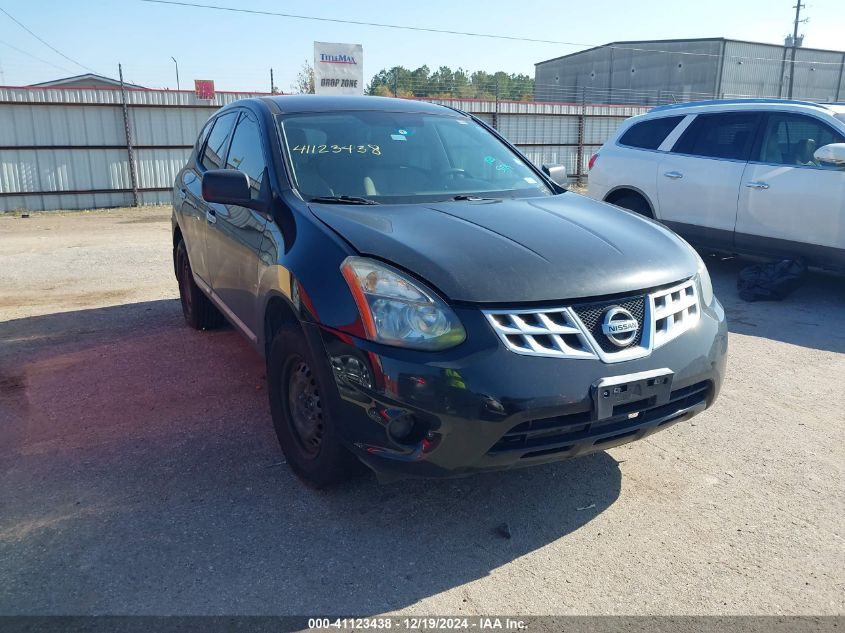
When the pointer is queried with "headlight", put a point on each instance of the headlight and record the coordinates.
(704, 282)
(396, 310)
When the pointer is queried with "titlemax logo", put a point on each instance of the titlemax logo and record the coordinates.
(327, 58)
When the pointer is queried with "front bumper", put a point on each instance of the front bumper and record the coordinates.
(481, 407)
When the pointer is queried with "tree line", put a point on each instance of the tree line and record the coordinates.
(445, 83)
(442, 83)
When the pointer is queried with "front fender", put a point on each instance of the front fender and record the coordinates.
(299, 264)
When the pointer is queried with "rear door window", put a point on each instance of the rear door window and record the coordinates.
(215, 148)
(727, 135)
(649, 134)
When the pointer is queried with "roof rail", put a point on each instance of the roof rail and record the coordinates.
(690, 104)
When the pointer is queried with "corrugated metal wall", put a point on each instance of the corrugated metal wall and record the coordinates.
(819, 81)
(654, 72)
(763, 70)
(625, 73)
(752, 69)
(66, 148)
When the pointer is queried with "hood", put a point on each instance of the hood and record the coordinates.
(517, 250)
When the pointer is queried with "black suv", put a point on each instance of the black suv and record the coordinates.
(428, 302)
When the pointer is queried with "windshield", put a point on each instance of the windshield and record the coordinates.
(401, 157)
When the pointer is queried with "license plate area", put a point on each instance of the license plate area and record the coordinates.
(631, 393)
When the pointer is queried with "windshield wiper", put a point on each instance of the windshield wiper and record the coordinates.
(471, 198)
(342, 200)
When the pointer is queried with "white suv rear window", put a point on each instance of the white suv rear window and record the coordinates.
(649, 134)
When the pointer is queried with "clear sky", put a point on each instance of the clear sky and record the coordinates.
(237, 50)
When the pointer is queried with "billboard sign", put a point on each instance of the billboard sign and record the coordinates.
(338, 69)
(204, 88)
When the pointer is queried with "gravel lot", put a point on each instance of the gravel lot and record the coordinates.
(139, 473)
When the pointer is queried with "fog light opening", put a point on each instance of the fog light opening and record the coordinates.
(407, 429)
(401, 427)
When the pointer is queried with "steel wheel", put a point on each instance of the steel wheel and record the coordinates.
(305, 408)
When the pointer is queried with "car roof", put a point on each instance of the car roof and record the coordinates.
(319, 103)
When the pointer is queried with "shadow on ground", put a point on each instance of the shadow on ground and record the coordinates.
(140, 474)
(813, 316)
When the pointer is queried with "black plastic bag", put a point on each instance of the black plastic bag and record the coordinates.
(771, 282)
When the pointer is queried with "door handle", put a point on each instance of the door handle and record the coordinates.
(211, 217)
(674, 175)
(756, 184)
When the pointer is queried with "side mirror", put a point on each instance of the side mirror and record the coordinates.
(833, 154)
(557, 173)
(227, 186)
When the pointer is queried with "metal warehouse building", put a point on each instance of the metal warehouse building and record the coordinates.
(661, 71)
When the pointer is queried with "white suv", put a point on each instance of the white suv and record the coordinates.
(751, 176)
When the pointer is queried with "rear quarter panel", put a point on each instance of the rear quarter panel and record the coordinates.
(621, 167)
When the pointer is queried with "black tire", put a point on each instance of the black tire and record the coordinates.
(633, 202)
(300, 404)
(197, 309)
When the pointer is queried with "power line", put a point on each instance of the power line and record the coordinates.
(197, 5)
(47, 44)
(43, 61)
(360, 23)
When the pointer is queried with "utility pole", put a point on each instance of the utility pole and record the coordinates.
(798, 6)
(272, 85)
(177, 71)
